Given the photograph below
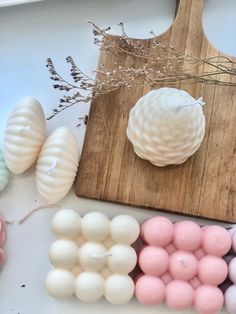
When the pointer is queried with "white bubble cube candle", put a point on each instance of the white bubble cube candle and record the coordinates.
(92, 257)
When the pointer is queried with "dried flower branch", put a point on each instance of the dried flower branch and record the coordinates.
(163, 64)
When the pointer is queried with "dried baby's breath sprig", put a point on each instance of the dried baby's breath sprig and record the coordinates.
(162, 63)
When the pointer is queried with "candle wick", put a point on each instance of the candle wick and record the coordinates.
(101, 255)
(183, 262)
(52, 167)
(198, 101)
(25, 128)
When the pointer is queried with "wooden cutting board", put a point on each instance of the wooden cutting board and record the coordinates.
(203, 186)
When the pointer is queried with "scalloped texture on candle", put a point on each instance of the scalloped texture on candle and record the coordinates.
(57, 165)
(96, 255)
(24, 134)
(4, 173)
(160, 132)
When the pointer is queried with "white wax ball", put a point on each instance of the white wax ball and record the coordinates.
(166, 126)
(95, 226)
(92, 256)
(124, 229)
(119, 289)
(63, 253)
(60, 283)
(123, 259)
(89, 286)
(66, 223)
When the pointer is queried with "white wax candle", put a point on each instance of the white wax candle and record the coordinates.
(166, 126)
(89, 286)
(92, 256)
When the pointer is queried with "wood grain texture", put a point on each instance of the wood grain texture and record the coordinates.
(203, 186)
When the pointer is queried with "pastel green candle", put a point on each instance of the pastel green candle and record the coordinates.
(4, 173)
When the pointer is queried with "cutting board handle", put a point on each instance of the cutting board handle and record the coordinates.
(189, 17)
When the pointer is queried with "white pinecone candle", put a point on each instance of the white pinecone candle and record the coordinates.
(166, 126)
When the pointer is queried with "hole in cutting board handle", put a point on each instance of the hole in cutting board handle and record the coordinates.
(219, 25)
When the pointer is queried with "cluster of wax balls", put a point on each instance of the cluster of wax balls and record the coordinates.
(2, 240)
(230, 293)
(93, 256)
(182, 265)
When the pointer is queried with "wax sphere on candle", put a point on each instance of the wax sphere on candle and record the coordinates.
(119, 289)
(212, 270)
(89, 286)
(179, 295)
(208, 299)
(153, 260)
(216, 240)
(66, 223)
(123, 259)
(230, 299)
(95, 226)
(149, 290)
(60, 283)
(232, 270)
(183, 265)
(157, 231)
(187, 236)
(92, 256)
(124, 229)
(63, 253)
(166, 126)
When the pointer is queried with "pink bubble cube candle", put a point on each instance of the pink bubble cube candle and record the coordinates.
(187, 259)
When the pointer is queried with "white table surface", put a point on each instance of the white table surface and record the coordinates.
(30, 33)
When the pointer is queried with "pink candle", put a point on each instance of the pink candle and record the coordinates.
(183, 265)
(187, 236)
(157, 231)
(208, 299)
(216, 240)
(153, 260)
(212, 270)
(179, 295)
(149, 290)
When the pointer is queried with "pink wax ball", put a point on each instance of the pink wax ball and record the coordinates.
(183, 265)
(208, 299)
(187, 236)
(230, 299)
(179, 295)
(232, 270)
(149, 290)
(212, 270)
(157, 231)
(153, 260)
(216, 240)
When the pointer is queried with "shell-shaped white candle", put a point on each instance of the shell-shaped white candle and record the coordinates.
(24, 134)
(166, 126)
(57, 165)
(4, 173)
